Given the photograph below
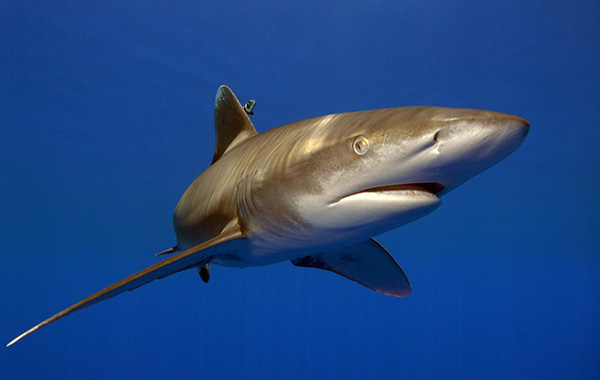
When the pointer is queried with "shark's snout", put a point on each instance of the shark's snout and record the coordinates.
(521, 127)
(467, 146)
(490, 129)
(514, 129)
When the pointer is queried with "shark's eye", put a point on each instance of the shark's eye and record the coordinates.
(361, 145)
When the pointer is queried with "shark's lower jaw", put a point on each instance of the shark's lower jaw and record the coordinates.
(427, 189)
(372, 211)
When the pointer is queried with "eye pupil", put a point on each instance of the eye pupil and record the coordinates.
(361, 145)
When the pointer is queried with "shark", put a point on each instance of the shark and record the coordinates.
(316, 191)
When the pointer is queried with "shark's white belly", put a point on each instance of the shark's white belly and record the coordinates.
(266, 249)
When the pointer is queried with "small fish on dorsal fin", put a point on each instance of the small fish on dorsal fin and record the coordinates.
(232, 124)
(249, 107)
(367, 263)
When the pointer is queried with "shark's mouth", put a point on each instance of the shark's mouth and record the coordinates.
(416, 189)
(427, 187)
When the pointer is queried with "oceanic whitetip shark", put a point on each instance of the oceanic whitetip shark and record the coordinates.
(316, 191)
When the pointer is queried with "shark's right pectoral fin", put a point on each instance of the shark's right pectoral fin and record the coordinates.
(367, 263)
(227, 242)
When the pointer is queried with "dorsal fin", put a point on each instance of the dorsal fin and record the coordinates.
(232, 124)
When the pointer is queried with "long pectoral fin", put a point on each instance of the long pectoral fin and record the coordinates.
(367, 263)
(190, 258)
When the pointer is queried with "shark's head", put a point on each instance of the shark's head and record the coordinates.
(434, 148)
(363, 173)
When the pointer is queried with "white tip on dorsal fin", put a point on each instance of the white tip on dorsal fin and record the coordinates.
(232, 124)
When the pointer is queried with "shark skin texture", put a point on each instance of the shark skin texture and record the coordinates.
(316, 191)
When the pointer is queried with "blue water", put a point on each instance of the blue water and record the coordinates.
(106, 118)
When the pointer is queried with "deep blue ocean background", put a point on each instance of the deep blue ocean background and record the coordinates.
(106, 116)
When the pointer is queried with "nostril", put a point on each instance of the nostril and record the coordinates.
(435, 137)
